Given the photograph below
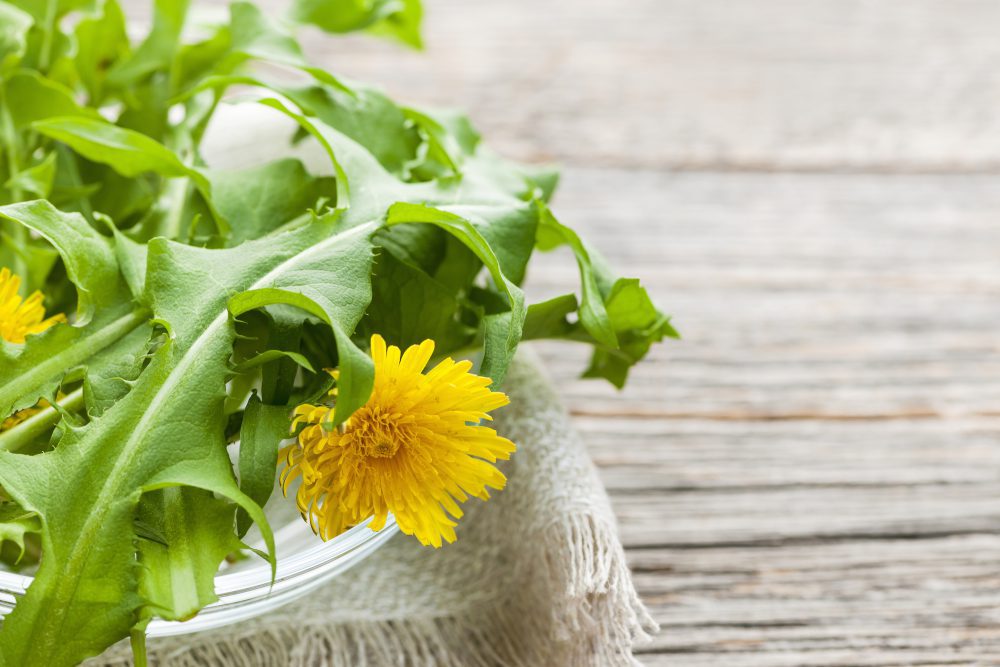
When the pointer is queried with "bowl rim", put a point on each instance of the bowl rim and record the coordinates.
(249, 592)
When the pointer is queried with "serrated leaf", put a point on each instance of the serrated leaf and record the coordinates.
(449, 138)
(264, 427)
(593, 314)
(357, 372)
(260, 199)
(110, 373)
(35, 368)
(15, 523)
(177, 576)
(89, 258)
(32, 370)
(410, 306)
(638, 324)
(365, 115)
(503, 331)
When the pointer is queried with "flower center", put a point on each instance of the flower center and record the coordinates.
(376, 434)
(384, 448)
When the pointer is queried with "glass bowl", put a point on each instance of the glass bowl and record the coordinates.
(244, 588)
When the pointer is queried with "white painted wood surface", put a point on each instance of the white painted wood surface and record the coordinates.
(811, 478)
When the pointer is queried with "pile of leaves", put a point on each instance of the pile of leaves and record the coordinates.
(203, 303)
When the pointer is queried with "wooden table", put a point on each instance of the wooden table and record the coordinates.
(810, 187)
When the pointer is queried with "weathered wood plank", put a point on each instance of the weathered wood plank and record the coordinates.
(810, 477)
(691, 455)
(772, 515)
(773, 84)
(779, 84)
(895, 602)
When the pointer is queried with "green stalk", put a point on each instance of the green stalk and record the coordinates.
(73, 172)
(137, 638)
(44, 59)
(10, 143)
(9, 137)
(30, 429)
(177, 191)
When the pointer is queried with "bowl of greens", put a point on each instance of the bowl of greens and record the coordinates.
(167, 321)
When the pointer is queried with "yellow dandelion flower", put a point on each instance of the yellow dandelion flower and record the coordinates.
(414, 449)
(19, 317)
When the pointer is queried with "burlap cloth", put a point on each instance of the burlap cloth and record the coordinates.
(536, 578)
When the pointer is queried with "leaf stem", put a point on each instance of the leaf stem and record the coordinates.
(137, 637)
(73, 173)
(177, 192)
(10, 144)
(10, 140)
(45, 57)
(27, 431)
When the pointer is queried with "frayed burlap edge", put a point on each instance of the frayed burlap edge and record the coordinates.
(579, 561)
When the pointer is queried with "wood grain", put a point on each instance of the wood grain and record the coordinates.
(768, 84)
(811, 477)
(701, 84)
